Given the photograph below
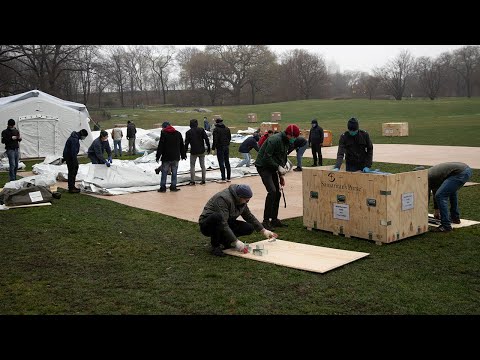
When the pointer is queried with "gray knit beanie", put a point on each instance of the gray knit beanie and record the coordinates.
(244, 191)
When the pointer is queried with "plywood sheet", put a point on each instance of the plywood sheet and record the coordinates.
(469, 183)
(28, 205)
(301, 256)
(463, 223)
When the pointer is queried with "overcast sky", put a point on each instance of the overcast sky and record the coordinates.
(361, 57)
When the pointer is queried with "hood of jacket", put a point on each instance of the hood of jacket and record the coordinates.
(193, 123)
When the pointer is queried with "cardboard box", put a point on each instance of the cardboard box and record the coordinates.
(395, 129)
(382, 208)
(276, 116)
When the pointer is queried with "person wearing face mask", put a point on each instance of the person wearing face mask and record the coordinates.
(96, 150)
(356, 146)
(270, 163)
(70, 152)
(315, 140)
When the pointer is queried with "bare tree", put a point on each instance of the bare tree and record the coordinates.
(184, 60)
(261, 75)
(429, 74)
(465, 62)
(396, 73)
(206, 71)
(116, 70)
(48, 62)
(237, 61)
(306, 70)
(369, 83)
(161, 61)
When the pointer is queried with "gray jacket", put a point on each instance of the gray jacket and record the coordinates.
(227, 204)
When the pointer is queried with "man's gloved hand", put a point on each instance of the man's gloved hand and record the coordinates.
(436, 214)
(184, 157)
(335, 169)
(269, 234)
(281, 170)
(208, 151)
(110, 159)
(240, 246)
(107, 163)
(366, 169)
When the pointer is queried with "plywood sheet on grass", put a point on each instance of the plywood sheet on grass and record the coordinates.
(301, 256)
(28, 205)
(469, 183)
(463, 223)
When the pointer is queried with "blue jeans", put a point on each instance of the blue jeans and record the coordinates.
(117, 144)
(300, 152)
(13, 157)
(246, 160)
(173, 165)
(448, 191)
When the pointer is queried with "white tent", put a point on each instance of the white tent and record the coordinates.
(45, 122)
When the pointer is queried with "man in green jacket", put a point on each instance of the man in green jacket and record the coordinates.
(270, 163)
(219, 219)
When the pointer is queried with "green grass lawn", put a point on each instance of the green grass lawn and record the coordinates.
(85, 255)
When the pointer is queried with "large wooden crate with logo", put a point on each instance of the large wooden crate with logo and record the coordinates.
(379, 207)
(252, 118)
(276, 116)
(395, 129)
(327, 138)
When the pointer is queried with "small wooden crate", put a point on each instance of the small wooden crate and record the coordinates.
(265, 126)
(305, 133)
(215, 117)
(395, 129)
(379, 207)
(327, 138)
(276, 116)
(252, 118)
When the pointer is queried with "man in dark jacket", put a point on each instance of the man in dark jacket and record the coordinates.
(70, 152)
(197, 138)
(131, 136)
(270, 164)
(219, 219)
(300, 145)
(98, 147)
(221, 143)
(357, 147)
(248, 144)
(11, 138)
(315, 140)
(170, 149)
(444, 181)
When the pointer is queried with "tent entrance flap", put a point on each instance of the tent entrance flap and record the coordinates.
(39, 137)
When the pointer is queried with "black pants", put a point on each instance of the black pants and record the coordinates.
(272, 184)
(211, 226)
(72, 166)
(317, 153)
(223, 157)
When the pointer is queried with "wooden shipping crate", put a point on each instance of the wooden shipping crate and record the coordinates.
(395, 129)
(276, 116)
(252, 118)
(327, 138)
(379, 207)
(215, 117)
(265, 126)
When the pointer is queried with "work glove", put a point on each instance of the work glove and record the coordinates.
(366, 169)
(281, 170)
(184, 157)
(269, 234)
(335, 169)
(107, 163)
(110, 159)
(240, 246)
